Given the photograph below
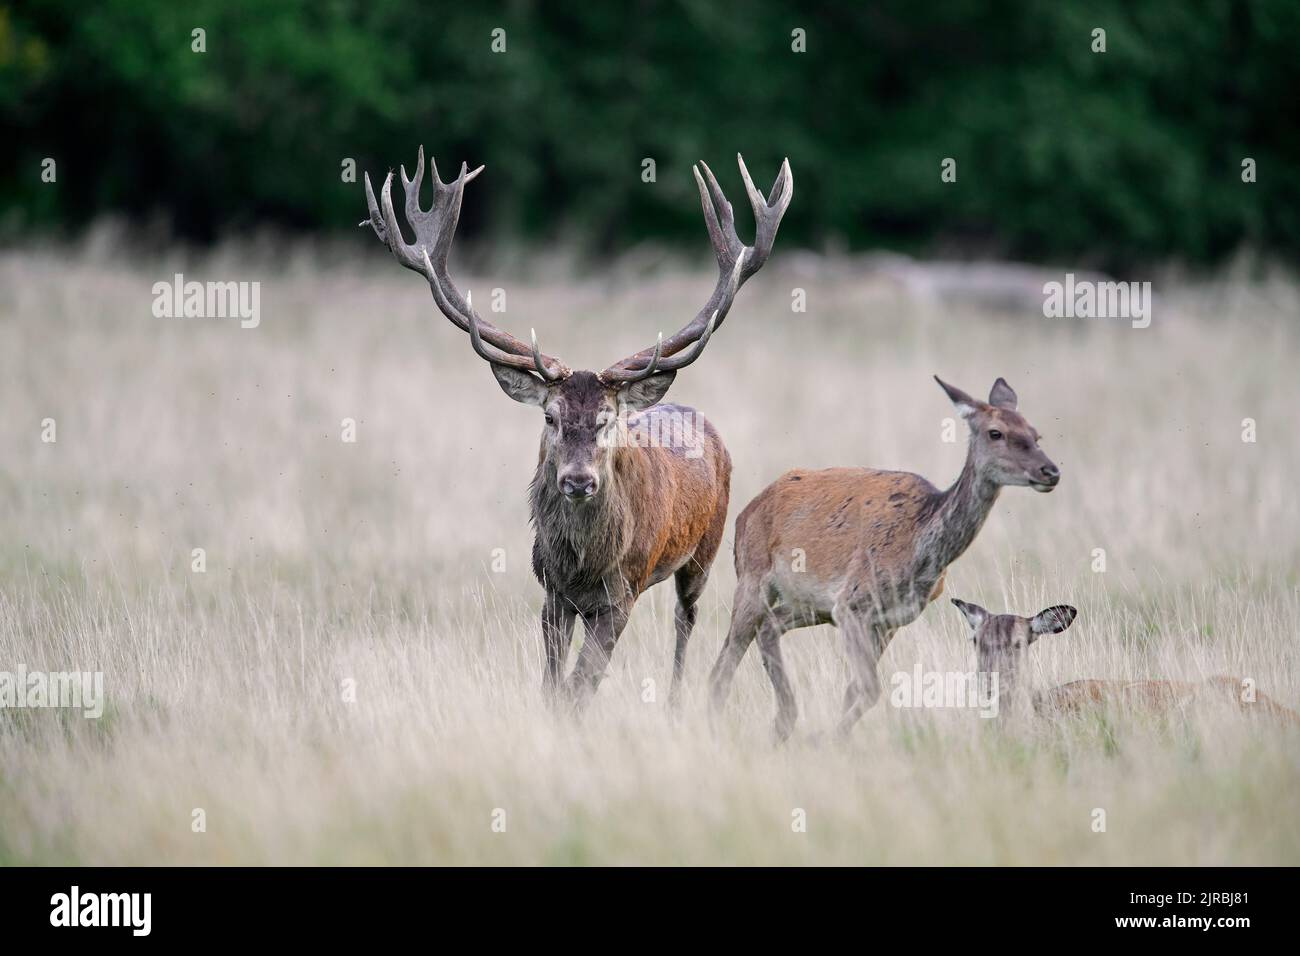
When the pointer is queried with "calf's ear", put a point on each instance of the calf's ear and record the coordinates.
(975, 615)
(1053, 620)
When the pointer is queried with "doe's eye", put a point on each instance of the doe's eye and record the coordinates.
(550, 419)
(995, 434)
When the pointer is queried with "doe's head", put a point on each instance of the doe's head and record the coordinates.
(1004, 444)
(1002, 639)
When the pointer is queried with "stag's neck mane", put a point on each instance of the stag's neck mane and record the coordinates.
(582, 544)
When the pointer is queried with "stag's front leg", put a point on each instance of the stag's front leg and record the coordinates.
(557, 630)
(603, 630)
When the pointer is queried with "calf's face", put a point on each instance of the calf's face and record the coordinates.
(1002, 639)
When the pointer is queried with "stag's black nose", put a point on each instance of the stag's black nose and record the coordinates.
(578, 486)
(1050, 472)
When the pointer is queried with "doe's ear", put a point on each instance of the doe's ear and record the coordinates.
(966, 406)
(975, 615)
(1054, 620)
(1003, 395)
(639, 396)
(522, 386)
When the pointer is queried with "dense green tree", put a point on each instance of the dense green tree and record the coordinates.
(1116, 158)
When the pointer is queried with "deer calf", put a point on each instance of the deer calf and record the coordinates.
(866, 550)
(1001, 641)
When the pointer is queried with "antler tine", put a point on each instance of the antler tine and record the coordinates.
(618, 376)
(767, 212)
(736, 261)
(493, 354)
(434, 229)
(719, 217)
(413, 211)
(657, 362)
(376, 221)
(532, 362)
(540, 362)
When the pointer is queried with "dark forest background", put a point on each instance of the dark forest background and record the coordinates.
(1129, 156)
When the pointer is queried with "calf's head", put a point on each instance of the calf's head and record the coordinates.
(1001, 640)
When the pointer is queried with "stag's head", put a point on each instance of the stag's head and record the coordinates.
(585, 420)
(1002, 639)
(1004, 445)
(585, 413)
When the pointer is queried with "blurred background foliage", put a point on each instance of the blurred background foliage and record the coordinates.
(1115, 159)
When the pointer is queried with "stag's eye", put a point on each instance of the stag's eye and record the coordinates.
(550, 419)
(995, 434)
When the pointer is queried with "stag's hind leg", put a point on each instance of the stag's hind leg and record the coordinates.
(690, 580)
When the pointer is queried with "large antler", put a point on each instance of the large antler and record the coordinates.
(434, 230)
(736, 263)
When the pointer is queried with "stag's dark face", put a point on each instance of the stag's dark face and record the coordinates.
(585, 420)
(581, 425)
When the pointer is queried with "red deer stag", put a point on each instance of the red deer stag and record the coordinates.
(1001, 641)
(865, 550)
(616, 508)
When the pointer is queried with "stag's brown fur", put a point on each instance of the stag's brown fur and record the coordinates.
(660, 511)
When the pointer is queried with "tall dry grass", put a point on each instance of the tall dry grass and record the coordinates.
(372, 562)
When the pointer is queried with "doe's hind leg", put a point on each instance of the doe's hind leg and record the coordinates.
(747, 615)
(769, 645)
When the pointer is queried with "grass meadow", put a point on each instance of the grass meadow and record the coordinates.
(355, 678)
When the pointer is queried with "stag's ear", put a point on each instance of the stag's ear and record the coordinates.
(966, 406)
(1054, 620)
(975, 615)
(520, 385)
(638, 396)
(1003, 395)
